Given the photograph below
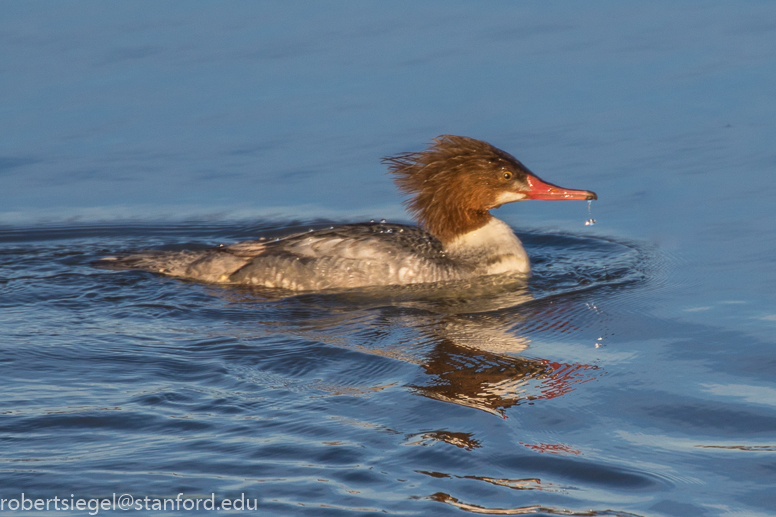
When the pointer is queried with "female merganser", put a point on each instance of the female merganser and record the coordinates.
(452, 186)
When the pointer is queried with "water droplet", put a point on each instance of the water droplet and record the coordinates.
(371, 220)
(591, 221)
(382, 221)
(310, 230)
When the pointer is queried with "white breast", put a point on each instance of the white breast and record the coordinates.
(494, 246)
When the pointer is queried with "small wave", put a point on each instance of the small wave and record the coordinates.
(525, 510)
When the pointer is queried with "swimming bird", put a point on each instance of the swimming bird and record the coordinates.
(452, 186)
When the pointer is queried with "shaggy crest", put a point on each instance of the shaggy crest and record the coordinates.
(453, 183)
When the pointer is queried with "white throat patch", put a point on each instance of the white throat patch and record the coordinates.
(509, 197)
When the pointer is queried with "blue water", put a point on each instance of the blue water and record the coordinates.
(632, 375)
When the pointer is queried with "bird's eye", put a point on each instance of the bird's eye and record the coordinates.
(507, 175)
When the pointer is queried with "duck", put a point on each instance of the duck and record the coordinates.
(451, 187)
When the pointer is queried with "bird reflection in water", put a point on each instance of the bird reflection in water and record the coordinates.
(493, 382)
(468, 340)
(474, 364)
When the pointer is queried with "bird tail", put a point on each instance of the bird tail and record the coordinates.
(213, 265)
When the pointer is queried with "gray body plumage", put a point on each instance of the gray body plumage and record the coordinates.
(345, 256)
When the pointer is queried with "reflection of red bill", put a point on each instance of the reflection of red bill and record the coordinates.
(560, 381)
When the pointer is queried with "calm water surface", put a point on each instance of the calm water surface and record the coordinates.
(632, 375)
